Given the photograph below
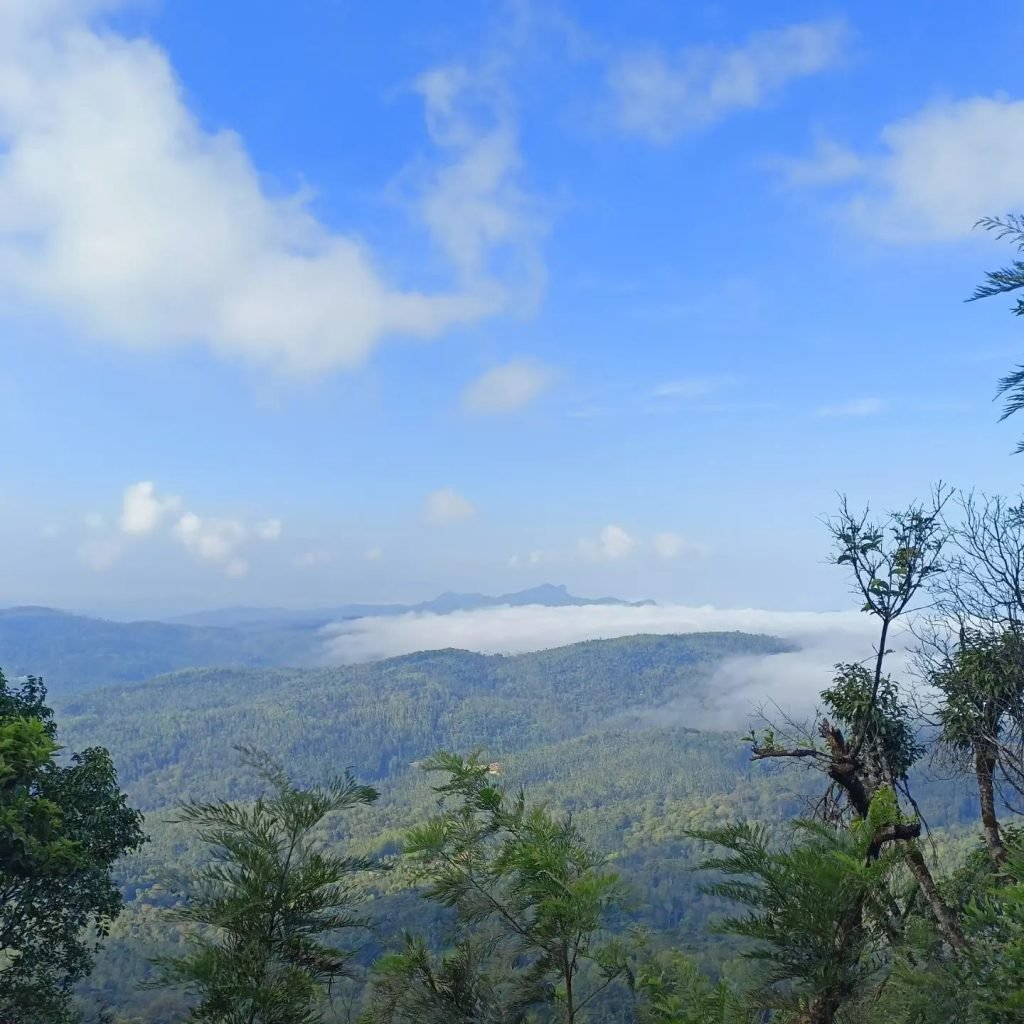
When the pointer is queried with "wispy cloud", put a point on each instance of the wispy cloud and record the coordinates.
(658, 96)
(314, 558)
(613, 544)
(508, 387)
(668, 545)
(854, 407)
(446, 505)
(830, 163)
(692, 387)
(472, 202)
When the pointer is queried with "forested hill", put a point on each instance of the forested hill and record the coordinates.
(170, 736)
(77, 652)
(609, 729)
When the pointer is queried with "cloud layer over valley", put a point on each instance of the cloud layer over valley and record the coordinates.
(738, 686)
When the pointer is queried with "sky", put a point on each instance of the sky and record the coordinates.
(330, 301)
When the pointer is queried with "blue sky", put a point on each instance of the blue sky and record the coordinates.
(334, 301)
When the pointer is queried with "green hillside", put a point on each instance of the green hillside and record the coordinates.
(168, 737)
(74, 652)
(559, 721)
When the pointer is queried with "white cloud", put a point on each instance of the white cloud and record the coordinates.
(100, 553)
(668, 545)
(855, 407)
(737, 686)
(143, 510)
(658, 96)
(119, 211)
(831, 163)
(507, 387)
(213, 540)
(938, 171)
(373, 554)
(145, 513)
(447, 506)
(472, 205)
(270, 529)
(613, 543)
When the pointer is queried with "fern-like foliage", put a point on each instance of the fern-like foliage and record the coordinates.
(813, 906)
(1001, 282)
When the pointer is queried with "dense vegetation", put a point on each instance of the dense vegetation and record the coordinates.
(76, 653)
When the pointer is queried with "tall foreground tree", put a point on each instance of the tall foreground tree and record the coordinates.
(530, 894)
(980, 692)
(867, 743)
(62, 827)
(262, 913)
(973, 653)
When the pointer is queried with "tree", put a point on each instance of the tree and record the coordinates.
(474, 983)
(818, 908)
(523, 880)
(260, 910)
(62, 827)
(973, 652)
(1001, 282)
(981, 715)
(672, 990)
(868, 742)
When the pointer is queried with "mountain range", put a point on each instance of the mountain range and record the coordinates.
(75, 652)
(547, 594)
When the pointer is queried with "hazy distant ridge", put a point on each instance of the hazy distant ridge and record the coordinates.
(547, 594)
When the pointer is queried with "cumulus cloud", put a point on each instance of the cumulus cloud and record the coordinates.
(658, 96)
(935, 174)
(853, 408)
(121, 212)
(447, 506)
(147, 513)
(143, 511)
(612, 544)
(507, 388)
(736, 688)
(214, 540)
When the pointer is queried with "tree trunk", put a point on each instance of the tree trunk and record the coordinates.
(944, 917)
(820, 1010)
(984, 770)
